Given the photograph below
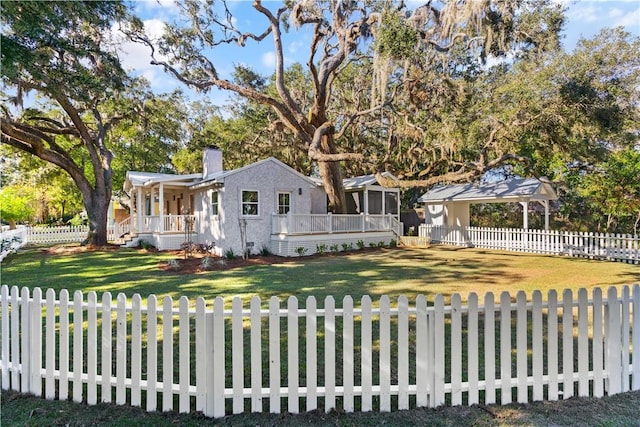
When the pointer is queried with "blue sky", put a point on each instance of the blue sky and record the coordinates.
(585, 18)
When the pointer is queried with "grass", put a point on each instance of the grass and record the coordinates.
(387, 271)
(619, 410)
(392, 272)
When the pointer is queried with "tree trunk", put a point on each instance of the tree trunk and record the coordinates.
(331, 175)
(98, 222)
(96, 203)
(332, 180)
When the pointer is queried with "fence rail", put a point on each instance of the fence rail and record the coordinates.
(222, 359)
(15, 239)
(613, 247)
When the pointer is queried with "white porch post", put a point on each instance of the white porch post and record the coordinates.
(161, 207)
(139, 211)
(525, 215)
(366, 202)
(384, 202)
(546, 214)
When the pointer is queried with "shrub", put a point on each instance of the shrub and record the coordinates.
(372, 245)
(301, 250)
(393, 243)
(144, 244)
(347, 246)
(206, 248)
(381, 244)
(207, 263)
(334, 249)
(265, 251)
(321, 249)
(360, 244)
(229, 254)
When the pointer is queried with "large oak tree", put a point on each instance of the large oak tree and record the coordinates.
(60, 51)
(89, 109)
(342, 32)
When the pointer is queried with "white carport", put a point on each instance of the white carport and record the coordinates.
(448, 205)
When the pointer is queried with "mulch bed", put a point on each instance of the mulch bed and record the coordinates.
(195, 263)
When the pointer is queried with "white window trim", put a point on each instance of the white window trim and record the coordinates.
(242, 214)
(217, 193)
(278, 193)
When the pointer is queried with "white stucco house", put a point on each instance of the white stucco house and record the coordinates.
(266, 204)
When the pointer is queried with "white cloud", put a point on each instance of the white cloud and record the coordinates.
(583, 12)
(295, 46)
(628, 20)
(269, 59)
(136, 56)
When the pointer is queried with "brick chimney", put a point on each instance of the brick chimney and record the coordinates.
(211, 162)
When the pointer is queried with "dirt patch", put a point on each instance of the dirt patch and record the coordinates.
(199, 262)
(70, 249)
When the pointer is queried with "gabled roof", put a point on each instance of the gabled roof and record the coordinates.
(195, 181)
(219, 177)
(512, 190)
(145, 179)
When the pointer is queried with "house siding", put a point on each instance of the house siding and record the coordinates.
(268, 179)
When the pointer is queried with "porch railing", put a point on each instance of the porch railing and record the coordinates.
(330, 223)
(169, 224)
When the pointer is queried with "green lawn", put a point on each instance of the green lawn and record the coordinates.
(408, 271)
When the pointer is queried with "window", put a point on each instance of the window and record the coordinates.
(249, 203)
(214, 203)
(284, 203)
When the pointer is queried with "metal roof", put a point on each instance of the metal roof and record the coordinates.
(495, 192)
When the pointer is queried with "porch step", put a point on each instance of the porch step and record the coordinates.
(127, 241)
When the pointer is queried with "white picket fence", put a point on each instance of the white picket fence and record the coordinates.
(46, 235)
(612, 247)
(231, 359)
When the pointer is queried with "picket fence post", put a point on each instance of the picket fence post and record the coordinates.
(613, 342)
(385, 354)
(136, 350)
(347, 349)
(489, 349)
(237, 361)
(256, 355)
(472, 348)
(635, 385)
(15, 339)
(274, 355)
(537, 368)
(5, 337)
(423, 346)
(184, 367)
(329, 354)
(293, 401)
(598, 349)
(367, 355)
(312, 357)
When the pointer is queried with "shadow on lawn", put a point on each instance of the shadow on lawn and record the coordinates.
(391, 272)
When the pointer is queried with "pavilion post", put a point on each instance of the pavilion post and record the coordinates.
(525, 215)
